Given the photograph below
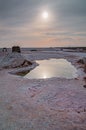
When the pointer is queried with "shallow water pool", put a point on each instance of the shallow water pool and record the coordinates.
(53, 68)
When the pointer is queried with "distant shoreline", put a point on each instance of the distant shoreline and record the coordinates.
(78, 49)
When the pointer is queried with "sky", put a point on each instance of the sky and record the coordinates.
(22, 23)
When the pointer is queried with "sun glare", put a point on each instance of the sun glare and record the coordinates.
(44, 76)
(45, 15)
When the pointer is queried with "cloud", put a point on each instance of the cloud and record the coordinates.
(20, 21)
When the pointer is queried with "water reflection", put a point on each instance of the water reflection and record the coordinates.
(53, 68)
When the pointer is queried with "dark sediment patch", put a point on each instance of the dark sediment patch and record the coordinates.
(23, 73)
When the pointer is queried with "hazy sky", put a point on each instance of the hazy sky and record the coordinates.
(21, 23)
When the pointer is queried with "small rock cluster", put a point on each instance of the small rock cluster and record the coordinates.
(83, 61)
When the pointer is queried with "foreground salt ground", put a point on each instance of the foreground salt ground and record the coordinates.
(49, 104)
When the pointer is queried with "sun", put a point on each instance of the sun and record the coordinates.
(44, 76)
(45, 14)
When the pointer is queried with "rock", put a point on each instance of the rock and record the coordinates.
(26, 63)
(84, 86)
(85, 68)
(82, 61)
(84, 78)
(16, 49)
(4, 49)
(14, 60)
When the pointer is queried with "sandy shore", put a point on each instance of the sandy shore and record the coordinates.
(48, 104)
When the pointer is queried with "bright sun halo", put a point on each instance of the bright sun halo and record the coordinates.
(45, 15)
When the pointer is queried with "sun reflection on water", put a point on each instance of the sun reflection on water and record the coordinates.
(53, 68)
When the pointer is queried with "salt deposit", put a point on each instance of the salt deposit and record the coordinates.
(47, 104)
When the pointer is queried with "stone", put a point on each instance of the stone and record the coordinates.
(82, 61)
(14, 60)
(16, 49)
(84, 86)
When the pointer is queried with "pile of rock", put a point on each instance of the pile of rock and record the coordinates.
(14, 60)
